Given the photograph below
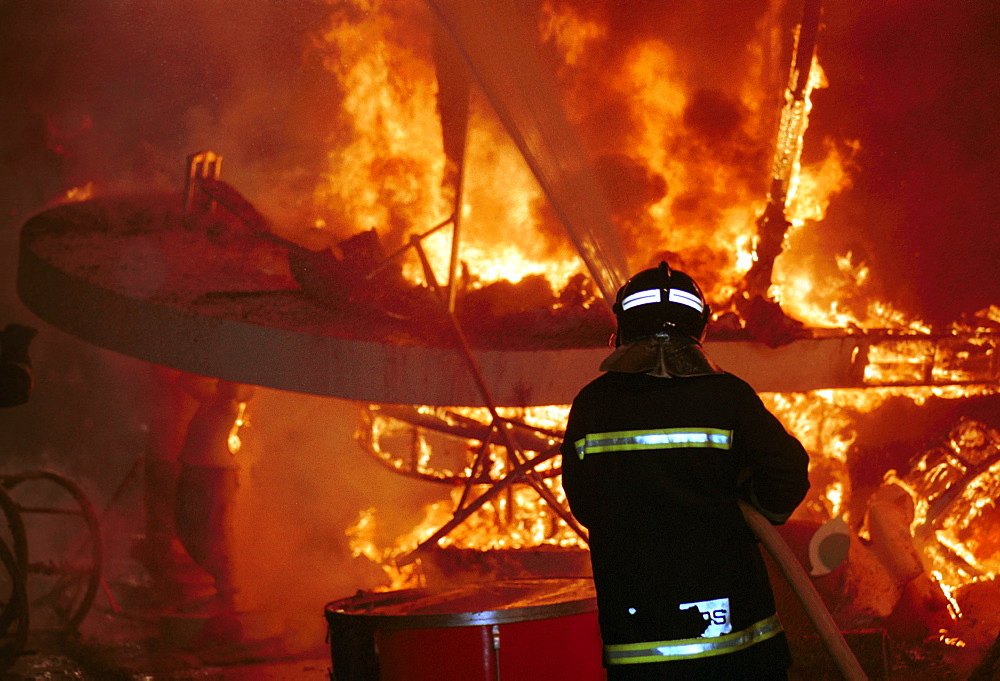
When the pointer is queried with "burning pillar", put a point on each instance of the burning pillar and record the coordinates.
(204, 165)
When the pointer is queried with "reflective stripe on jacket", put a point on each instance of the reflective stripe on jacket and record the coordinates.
(692, 648)
(662, 438)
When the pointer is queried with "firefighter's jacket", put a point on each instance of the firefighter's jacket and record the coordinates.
(654, 468)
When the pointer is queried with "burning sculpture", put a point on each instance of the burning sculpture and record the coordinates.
(204, 291)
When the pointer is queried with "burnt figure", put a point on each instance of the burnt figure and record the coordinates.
(207, 485)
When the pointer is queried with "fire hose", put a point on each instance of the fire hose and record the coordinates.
(812, 603)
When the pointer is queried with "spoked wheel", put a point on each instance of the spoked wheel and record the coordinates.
(15, 543)
(63, 570)
(13, 609)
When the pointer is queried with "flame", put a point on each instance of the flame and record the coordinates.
(823, 420)
(955, 490)
(386, 164)
(500, 222)
(83, 192)
(518, 518)
(387, 171)
(233, 440)
(387, 168)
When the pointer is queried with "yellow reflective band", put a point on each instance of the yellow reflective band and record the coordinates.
(691, 648)
(668, 438)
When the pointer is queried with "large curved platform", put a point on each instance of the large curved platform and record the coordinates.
(142, 278)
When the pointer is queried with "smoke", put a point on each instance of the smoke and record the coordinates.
(916, 85)
(305, 482)
(118, 92)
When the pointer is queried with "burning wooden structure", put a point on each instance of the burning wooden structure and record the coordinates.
(220, 293)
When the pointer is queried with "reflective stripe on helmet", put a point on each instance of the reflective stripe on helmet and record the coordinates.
(677, 295)
(664, 438)
(654, 295)
(691, 648)
(650, 295)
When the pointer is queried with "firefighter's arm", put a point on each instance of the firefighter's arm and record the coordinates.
(778, 465)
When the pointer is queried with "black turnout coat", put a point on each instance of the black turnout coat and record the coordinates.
(661, 504)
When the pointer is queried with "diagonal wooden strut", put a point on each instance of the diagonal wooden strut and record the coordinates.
(524, 465)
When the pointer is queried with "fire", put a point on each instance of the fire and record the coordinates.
(83, 192)
(955, 489)
(517, 518)
(689, 156)
(387, 169)
(500, 221)
(386, 164)
(824, 420)
(233, 441)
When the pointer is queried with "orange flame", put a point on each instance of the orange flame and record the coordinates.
(387, 169)
(84, 192)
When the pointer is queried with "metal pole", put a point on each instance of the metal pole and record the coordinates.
(456, 230)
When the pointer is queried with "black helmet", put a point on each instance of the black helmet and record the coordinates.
(660, 300)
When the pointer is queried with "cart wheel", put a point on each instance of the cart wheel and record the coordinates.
(67, 580)
(12, 535)
(14, 604)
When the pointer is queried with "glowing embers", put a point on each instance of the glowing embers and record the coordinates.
(934, 360)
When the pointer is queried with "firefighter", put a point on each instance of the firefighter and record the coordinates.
(658, 452)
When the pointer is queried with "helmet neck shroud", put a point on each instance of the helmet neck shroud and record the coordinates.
(662, 356)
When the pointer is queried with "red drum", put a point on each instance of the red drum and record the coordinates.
(512, 630)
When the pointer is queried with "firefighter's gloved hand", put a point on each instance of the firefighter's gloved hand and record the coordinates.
(747, 493)
(14, 341)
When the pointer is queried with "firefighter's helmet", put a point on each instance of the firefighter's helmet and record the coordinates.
(660, 301)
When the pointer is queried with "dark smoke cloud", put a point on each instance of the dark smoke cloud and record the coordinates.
(120, 92)
(917, 84)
